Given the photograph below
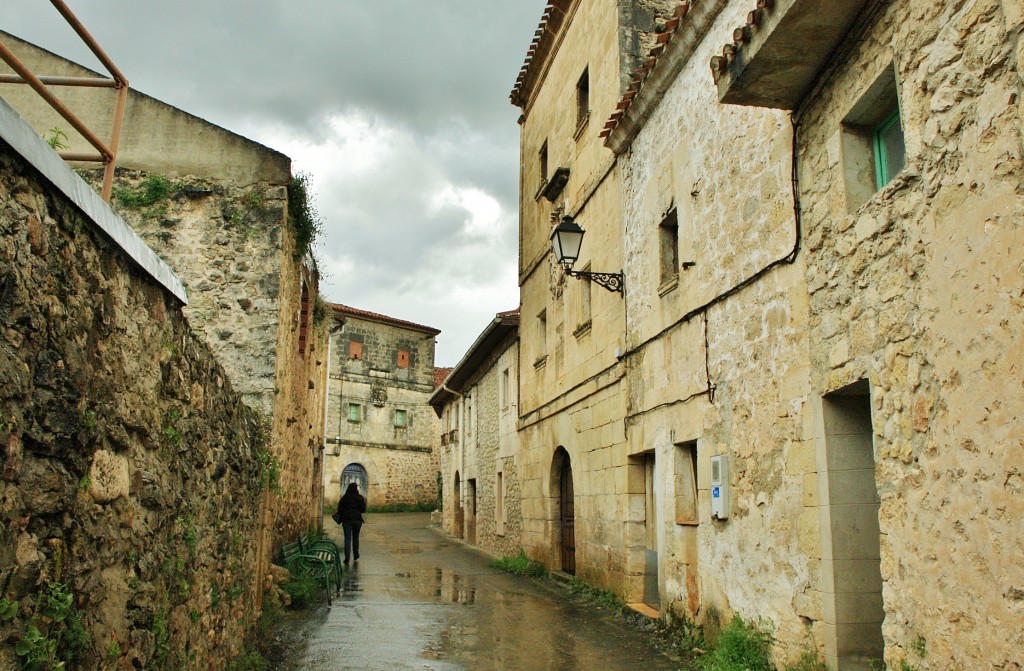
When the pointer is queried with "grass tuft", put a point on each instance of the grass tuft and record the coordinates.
(520, 564)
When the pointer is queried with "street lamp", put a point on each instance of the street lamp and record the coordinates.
(566, 241)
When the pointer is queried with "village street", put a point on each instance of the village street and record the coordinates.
(418, 600)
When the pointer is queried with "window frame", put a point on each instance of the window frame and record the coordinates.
(883, 172)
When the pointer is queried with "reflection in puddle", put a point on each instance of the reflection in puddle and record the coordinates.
(450, 587)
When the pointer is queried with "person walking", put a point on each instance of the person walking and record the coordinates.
(351, 507)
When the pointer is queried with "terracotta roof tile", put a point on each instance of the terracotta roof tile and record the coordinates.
(365, 314)
(440, 375)
(543, 38)
(740, 37)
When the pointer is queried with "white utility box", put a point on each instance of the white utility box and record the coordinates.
(720, 487)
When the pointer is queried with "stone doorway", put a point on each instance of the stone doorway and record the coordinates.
(852, 581)
(652, 593)
(566, 512)
(357, 474)
(459, 521)
(471, 511)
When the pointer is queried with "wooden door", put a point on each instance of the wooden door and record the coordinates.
(567, 518)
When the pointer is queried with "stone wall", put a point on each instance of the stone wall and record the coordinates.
(130, 473)
(234, 249)
(215, 205)
(918, 292)
(863, 390)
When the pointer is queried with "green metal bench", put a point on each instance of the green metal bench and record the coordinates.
(324, 548)
(299, 563)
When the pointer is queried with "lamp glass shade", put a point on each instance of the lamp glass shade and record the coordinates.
(566, 241)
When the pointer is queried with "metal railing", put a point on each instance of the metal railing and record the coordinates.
(107, 151)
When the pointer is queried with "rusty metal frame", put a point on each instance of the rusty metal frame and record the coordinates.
(107, 152)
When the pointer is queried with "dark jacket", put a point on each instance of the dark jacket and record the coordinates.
(351, 507)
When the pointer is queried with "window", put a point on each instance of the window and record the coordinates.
(505, 387)
(355, 412)
(686, 482)
(401, 420)
(542, 337)
(582, 102)
(873, 144)
(543, 158)
(469, 414)
(355, 350)
(402, 358)
(668, 241)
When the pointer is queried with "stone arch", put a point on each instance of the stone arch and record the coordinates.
(563, 510)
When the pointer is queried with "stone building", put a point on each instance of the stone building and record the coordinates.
(130, 481)
(220, 209)
(572, 397)
(381, 433)
(820, 413)
(478, 406)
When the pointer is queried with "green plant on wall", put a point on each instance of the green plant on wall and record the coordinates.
(302, 216)
(151, 190)
(54, 631)
(269, 465)
(56, 139)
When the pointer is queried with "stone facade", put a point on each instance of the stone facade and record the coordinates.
(843, 343)
(220, 217)
(478, 405)
(379, 425)
(572, 400)
(130, 480)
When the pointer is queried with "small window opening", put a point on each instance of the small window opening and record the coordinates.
(582, 101)
(668, 236)
(401, 420)
(873, 143)
(355, 412)
(686, 482)
(543, 159)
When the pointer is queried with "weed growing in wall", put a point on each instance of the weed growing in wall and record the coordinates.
(520, 564)
(302, 216)
(741, 646)
(603, 597)
(54, 635)
(57, 139)
(150, 191)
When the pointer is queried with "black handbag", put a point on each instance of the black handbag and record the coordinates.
(336, 517)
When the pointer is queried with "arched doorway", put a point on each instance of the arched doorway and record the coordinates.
(357, 474)
(460, 513)
(566, 509)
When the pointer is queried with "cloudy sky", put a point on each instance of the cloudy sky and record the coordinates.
(397, 109)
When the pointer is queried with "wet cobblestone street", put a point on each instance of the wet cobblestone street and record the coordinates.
(417, 600)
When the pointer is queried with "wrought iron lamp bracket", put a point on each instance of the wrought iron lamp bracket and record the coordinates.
(610, 281)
